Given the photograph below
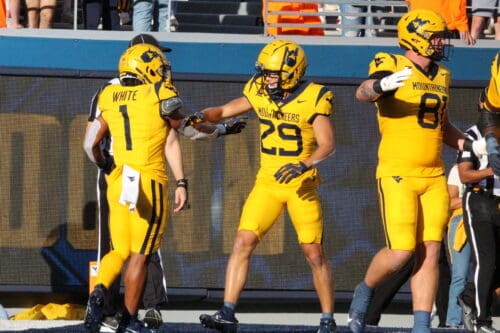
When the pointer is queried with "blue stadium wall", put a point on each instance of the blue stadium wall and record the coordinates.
(48, 200)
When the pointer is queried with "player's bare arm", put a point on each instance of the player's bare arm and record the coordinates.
(233, 108)
(174, 157)
(95, 132)
(325, 139)
(365, 92)
(468, 174)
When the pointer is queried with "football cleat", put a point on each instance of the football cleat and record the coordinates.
(486, 329)
(220, 321)
(111, 323)
(137, 326)
(152, 318)
(95, 304)
(327, 326)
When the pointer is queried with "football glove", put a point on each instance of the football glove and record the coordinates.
(192, 120)
(493, 153)
(232, 126)
(290, 171)
(393, 81)
(107, 164)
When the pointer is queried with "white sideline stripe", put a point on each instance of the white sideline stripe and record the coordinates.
(186, 316)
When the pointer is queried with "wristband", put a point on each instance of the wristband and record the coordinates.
(183, 182)
(377, 87)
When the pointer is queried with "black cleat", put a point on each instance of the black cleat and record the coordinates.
(152, 318)
(111, 323)
(137, 326)
(95, 304)
(220, 321)
(468, 315)
(327, 326)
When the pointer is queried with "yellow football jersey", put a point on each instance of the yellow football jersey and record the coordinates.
(286, 131)
(493, 92)
(410, 120)
(139, 132)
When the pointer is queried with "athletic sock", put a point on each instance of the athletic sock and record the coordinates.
(362, 297)
(326, 315)
(228, 310)
(421, 322)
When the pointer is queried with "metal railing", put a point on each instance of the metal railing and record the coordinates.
(368, 15)
(372, 17)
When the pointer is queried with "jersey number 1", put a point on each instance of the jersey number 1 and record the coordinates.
(126, 126)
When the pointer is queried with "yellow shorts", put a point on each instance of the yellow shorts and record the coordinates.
(265, 203)
(141, 230)
(413, 210)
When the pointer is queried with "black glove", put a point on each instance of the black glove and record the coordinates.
(232, 126)
(493, 153)
(290, 171)
(107, 164)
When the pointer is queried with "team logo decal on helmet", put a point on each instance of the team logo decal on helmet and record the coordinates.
(144, 63)
(285, 59)
(415, 24)
(424, 32)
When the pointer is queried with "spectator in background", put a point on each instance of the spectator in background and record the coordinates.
(352, 15)
(481, 11)
(294, 19)
(3, 15)
(40, 13)
(458, 249)
(13, 13)
(103, 12)
(454, 13)
(67, 12)
(150, 15)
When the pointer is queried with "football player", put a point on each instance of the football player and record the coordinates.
(296, 134)
(139, 113)
(489, 121)
(411, 94)
(154, 294)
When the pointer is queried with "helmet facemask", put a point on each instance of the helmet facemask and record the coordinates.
(440, 44)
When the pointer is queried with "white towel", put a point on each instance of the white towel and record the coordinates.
(130, 187)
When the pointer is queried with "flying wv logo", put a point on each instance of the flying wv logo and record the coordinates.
(413, 26)
(149, 55)
(397, 178)
(290, 57)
